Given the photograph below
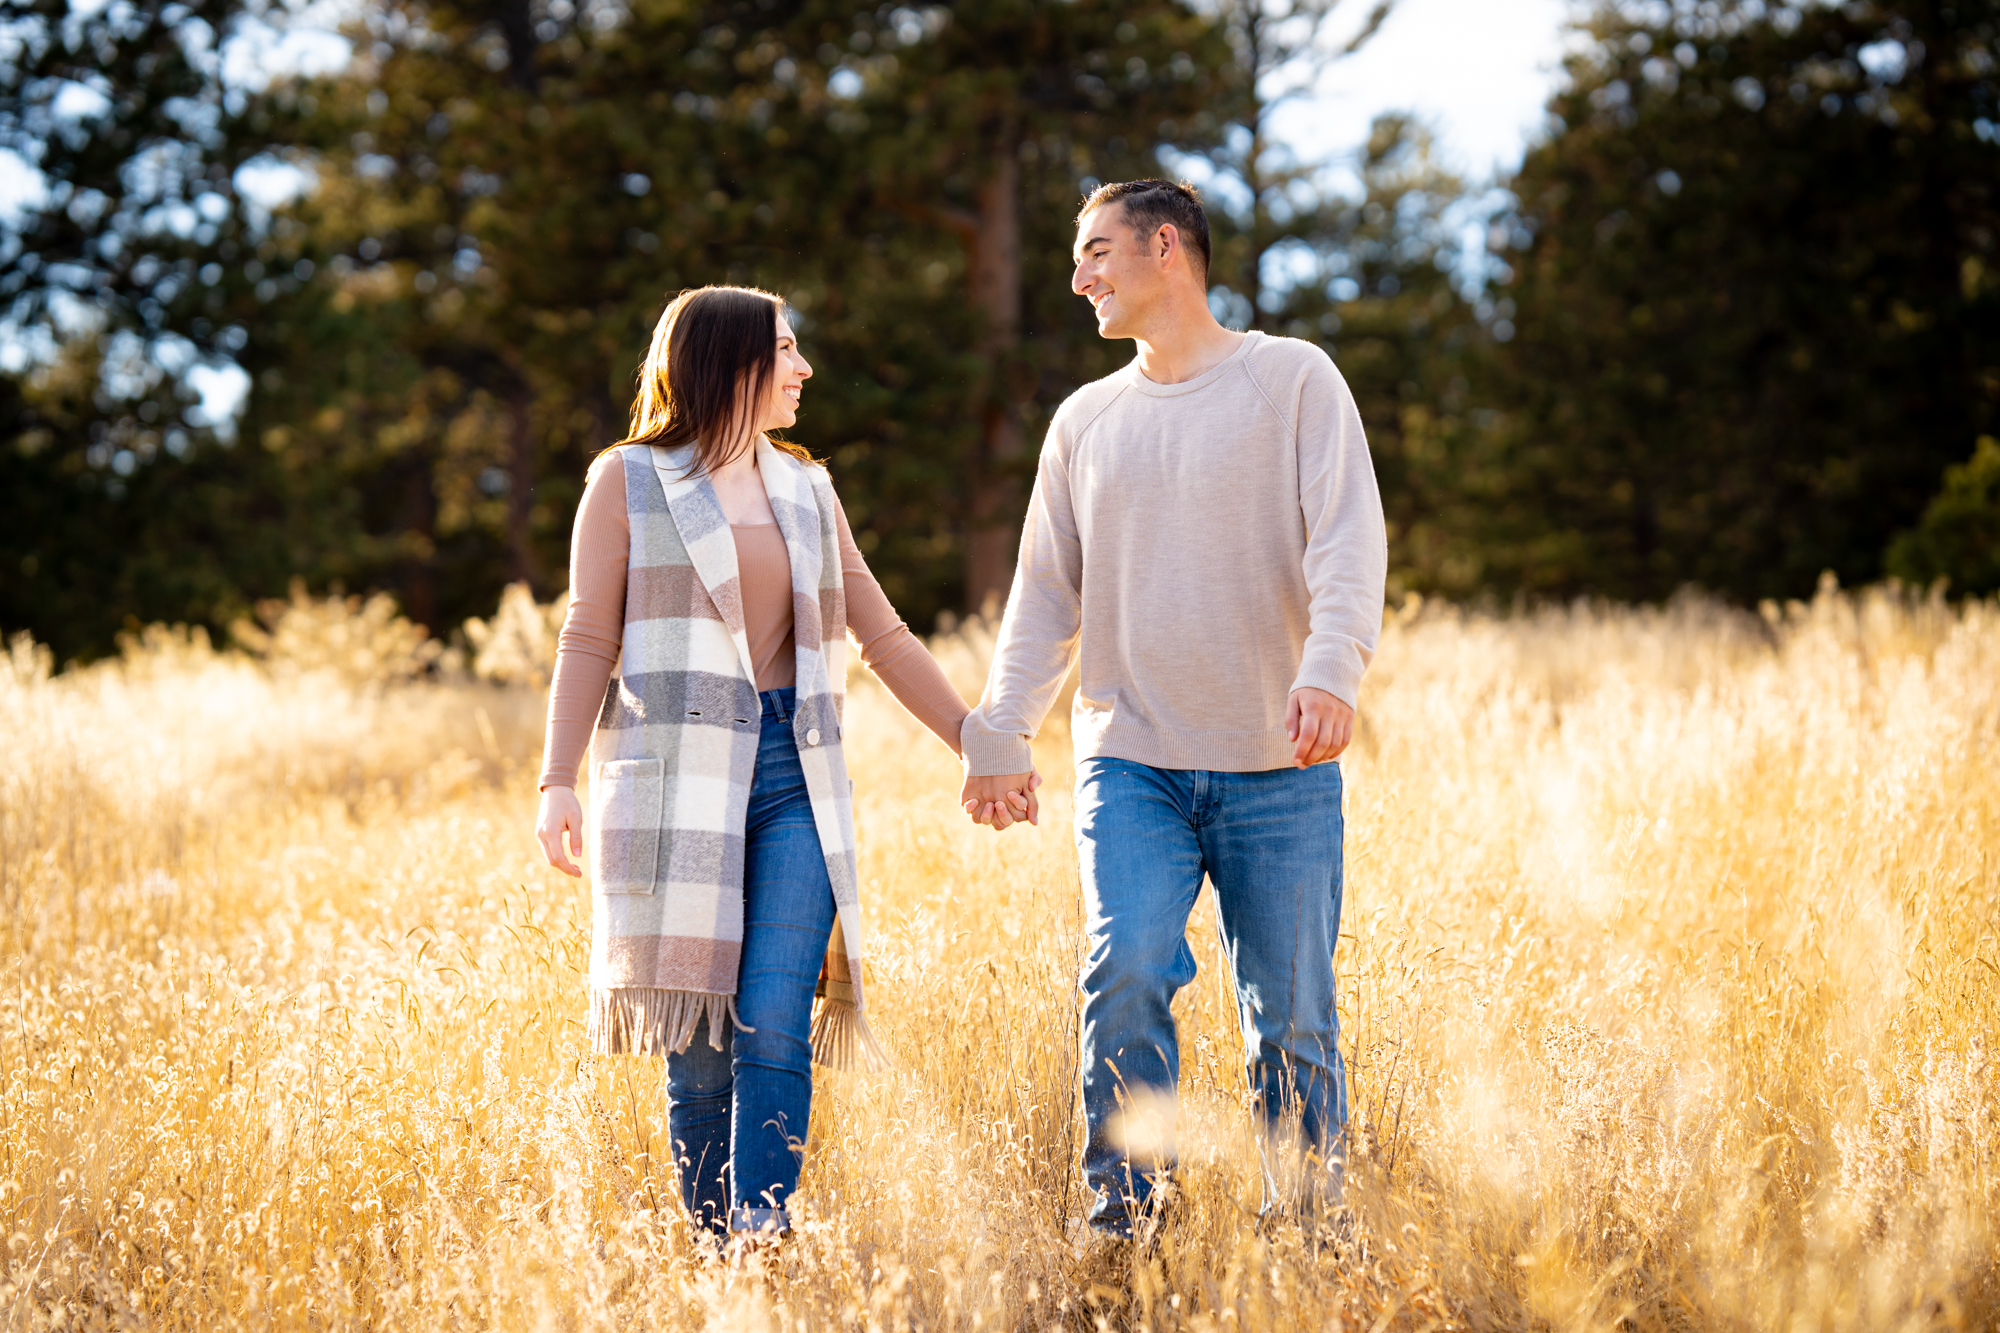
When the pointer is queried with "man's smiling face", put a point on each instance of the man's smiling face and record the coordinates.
(1115, 271)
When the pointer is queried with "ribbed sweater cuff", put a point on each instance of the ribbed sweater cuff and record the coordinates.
(1337, 669)
(989, 753)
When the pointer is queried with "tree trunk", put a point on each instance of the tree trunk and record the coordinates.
(1253, 165)
(994, 254)
(521, 490)
(517, 26)
(420, 573)
(1946, 419)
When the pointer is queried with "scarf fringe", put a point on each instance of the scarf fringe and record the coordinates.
(841, 1039)
(645, 1020)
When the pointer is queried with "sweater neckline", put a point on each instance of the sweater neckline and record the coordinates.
(1137, 377)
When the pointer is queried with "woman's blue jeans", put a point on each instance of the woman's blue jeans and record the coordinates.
(738, 1116)
(1271, 844)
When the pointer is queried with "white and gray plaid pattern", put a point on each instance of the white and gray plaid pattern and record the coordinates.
(675, 753)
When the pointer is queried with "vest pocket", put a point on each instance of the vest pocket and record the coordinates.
(628, 800)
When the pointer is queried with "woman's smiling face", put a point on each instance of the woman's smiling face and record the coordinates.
(788, 377)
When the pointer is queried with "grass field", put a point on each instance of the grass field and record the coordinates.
(1668, 982)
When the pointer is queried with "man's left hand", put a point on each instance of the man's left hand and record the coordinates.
(1320, 724)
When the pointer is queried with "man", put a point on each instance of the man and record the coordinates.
(1205, 532)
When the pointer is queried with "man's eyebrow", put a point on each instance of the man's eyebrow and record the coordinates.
(1095, 240)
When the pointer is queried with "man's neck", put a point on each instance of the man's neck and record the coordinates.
(1184, 344)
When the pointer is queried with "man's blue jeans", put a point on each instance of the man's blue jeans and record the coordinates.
(1271, 844)
(738, 1116)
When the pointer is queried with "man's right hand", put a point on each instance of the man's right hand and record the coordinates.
(1002, 800)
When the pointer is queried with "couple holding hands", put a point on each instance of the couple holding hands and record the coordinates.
(1205, 533)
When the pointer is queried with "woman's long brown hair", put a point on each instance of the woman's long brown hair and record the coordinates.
(714, 353)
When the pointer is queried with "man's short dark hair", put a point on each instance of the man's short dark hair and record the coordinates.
(1149, 203)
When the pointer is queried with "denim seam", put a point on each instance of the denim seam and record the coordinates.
(1202, 798)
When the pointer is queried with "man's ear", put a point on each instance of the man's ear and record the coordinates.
(1167, 239)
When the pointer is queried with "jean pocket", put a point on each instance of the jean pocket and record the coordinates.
(628, 801)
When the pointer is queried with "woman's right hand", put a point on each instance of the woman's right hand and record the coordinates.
(561, 812)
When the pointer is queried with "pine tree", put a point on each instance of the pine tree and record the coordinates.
(983, 127)
(1758, 298)
(119, 501)
(495, 248)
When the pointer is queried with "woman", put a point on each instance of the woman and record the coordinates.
(713, 568)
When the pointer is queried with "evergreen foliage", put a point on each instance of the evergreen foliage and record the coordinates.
(1738, 325)
(1757, 307)
(1958, 538)
(117, 505)
(498, 248)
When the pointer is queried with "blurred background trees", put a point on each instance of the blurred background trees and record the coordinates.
(1731, 323)
(1755, 303)
(115, 295)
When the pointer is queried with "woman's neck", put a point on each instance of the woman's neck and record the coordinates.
(742, 462)
(739, 489)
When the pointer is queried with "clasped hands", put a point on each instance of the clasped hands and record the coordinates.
(1318, 724)
(1003, 800)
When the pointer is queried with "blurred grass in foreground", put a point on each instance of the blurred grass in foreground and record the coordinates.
(1669, 983)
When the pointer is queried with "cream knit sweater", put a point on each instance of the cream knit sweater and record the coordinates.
(1206, 548)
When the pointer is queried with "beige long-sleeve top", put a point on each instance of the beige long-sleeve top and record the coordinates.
(1205, 548)
(594, 627)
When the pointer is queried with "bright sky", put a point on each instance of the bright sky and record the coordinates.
(1478, 70)
(20, 184)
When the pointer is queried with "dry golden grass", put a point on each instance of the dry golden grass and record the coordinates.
(1669, 980)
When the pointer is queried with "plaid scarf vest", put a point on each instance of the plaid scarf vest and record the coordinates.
(675, 752)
